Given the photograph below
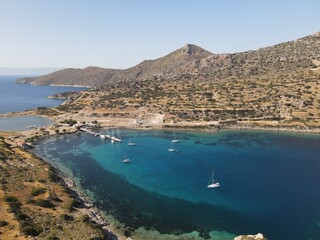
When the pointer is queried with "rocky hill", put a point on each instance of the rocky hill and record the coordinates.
(191, 60)
(90, 76)
(277, 86)
(95, 77)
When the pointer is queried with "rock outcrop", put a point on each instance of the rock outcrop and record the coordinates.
(259, 236)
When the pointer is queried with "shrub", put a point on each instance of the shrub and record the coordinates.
(67, 217)
(44, 203)
(22, 217)
(37, 191)
(10, 199)
(30, 230)
(3, 223)
(53, 177)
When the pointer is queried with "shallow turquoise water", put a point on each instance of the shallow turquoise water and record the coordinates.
(21, 123)
(269, 182)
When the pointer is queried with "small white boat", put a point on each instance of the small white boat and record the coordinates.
(125, 160)
(212, 183)
(172, 149)
(130, 143)
(175, 140)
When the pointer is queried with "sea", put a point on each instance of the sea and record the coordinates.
(19, 97)
(269, 182)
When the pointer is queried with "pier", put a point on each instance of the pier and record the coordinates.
(104, 136)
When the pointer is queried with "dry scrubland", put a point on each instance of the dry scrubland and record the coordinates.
(277, 86)
(34, 202)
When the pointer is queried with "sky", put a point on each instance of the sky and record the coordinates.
(122, 33)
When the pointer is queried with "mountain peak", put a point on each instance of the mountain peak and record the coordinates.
(190, 49)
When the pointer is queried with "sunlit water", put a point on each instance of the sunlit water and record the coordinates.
(18, 97)
(21, 123)
(269, 182)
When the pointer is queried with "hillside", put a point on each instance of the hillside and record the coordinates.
(273, 87)
(90, 76)
(191, 60)
(95, 77)
(34, 201)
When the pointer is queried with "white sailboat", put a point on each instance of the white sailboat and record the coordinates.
(172, 149)
(125, 160)
(130, 143)
(175, 140)
(212, 183)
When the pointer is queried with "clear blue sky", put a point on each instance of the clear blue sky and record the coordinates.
(122, 33)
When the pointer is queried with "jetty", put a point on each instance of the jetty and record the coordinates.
(104, 136)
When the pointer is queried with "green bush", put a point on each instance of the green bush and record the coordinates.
(52, 238)
(31, 230)
(3, 223)
(53, 177)
(67, 217)
(37, 191)
(44, 203)
(10, 199)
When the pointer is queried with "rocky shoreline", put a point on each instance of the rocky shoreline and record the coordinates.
(94, 213)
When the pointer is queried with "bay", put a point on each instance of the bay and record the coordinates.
(269, 182)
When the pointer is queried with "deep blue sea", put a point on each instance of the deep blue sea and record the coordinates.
(269, 181)
(18, 97)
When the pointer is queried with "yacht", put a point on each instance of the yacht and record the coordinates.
(125, 159)
(212, 183)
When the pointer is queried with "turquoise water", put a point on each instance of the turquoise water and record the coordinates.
(269, 182)
(19, 97)
(21, 123)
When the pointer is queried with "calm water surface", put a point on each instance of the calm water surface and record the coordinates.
(18, 97)
(21, 123)
(269, 182)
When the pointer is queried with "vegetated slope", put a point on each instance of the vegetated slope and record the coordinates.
(34, 204)
(272, 86)
(95, 77)
(194, 61)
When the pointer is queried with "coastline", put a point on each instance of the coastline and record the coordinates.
(97, 215)
(93, 212)
(131, 123)
(114, 229)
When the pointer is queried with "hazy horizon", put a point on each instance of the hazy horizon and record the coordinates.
(27, 71)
